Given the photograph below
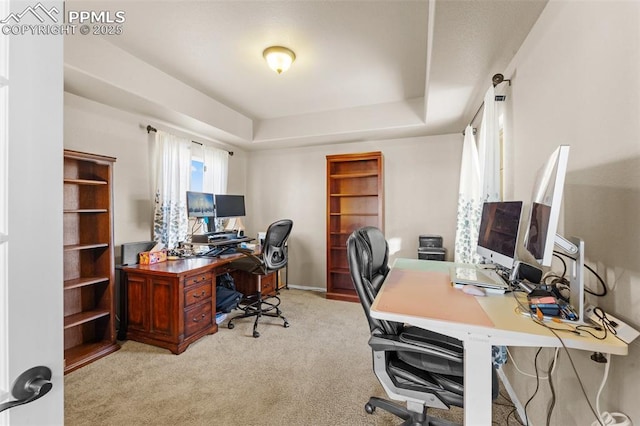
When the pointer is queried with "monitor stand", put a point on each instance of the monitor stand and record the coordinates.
(574, 246)
(576, 279)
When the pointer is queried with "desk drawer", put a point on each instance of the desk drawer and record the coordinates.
(268, 284)
(197, 318)
(196, 279)
(197, 293)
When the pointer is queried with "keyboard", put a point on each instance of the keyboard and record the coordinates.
(480, 277)
(217, 251)
(494, 275)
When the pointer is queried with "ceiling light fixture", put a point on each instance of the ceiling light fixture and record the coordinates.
(279, 58)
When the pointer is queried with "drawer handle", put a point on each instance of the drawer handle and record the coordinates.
(195, 319)
(198, 296)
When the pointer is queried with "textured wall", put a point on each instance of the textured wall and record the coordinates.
(576, 81)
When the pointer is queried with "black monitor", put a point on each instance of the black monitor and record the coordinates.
(498, 232)
(229, 205)
(199, 204)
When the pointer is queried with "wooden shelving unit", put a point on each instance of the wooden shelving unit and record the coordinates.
(89, 306)
(355, 198)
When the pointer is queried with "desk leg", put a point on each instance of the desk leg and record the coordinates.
(477, 380)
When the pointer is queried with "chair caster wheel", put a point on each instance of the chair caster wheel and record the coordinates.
(230, 326)
(286, 324)
(256, 334)
(369, 408)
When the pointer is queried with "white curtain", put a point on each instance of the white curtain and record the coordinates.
(489, 148)
(216, 170)
(479, 182)
(469, 202)
(479, 179)
(171, 165)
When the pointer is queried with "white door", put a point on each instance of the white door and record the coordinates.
(31, 132)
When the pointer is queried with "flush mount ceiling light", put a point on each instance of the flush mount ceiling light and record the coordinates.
(279, 58)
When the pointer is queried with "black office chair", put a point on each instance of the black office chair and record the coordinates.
(274, 257)
(415, 365)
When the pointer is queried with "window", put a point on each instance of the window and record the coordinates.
(208, 173)
(209, 169)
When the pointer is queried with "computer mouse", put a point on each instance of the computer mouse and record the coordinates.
(473, 290)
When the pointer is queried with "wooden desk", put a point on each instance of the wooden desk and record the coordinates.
(419, 292)
(172, 304)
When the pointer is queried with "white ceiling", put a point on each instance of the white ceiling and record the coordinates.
(364, 69)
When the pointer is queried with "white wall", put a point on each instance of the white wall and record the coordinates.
(421, 185)
(96, 128)
(576, 81)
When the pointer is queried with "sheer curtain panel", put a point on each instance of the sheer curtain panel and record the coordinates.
(171, 165)
(469, 202)
(216, 170)
(489, 148)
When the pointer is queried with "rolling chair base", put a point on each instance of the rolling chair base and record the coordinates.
(411, 418)
(257, 309)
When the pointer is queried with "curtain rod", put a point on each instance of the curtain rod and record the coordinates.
(153, 129)
(495, 80)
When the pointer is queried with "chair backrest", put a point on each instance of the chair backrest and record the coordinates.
(368, 255)
(274, 252)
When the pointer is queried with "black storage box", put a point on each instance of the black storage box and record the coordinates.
(432, 253)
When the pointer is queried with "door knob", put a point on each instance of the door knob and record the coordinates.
(29, 386)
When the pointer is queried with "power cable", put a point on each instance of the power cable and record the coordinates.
(606, 418)
(555, 356)
(575, 370)
(535, 366)
(553, 391)
(599, 278)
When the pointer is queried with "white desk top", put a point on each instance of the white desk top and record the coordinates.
(419, 292)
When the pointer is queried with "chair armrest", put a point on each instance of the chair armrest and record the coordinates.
(249, 253)
(387, 342)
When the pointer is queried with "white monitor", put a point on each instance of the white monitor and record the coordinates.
(546, 201)
(498, 233)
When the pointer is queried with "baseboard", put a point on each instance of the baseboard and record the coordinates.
(512, 395)
(299, 287)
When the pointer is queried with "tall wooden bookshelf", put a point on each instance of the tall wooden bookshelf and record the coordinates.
(355, 198)
(89, 305)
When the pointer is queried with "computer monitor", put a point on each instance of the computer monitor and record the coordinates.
(541, 229)
(498, 234)
(546, 200)
(199, 204)
(229, 205)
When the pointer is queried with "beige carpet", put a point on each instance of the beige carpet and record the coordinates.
(316, 372)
